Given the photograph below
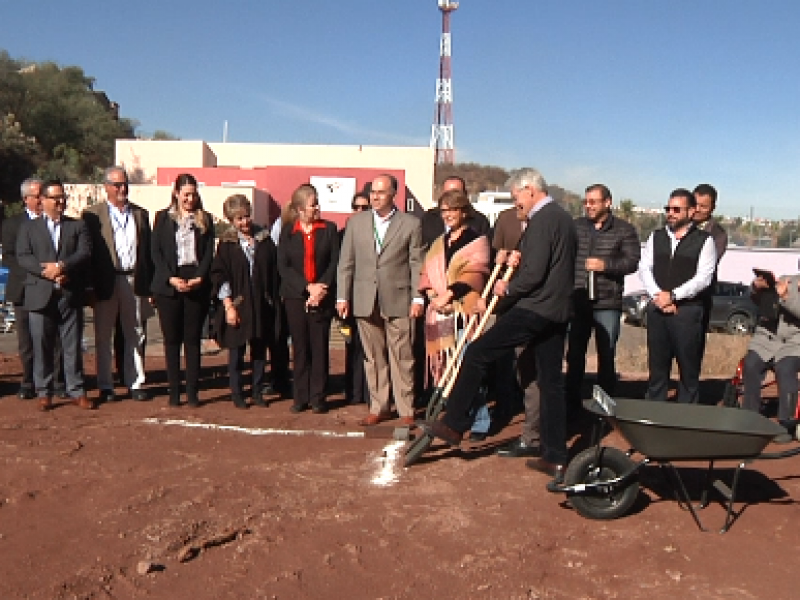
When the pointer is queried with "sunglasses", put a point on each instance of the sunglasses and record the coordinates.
(675, 209)
(361, 207)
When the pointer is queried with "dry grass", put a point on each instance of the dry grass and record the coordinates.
(723, 353)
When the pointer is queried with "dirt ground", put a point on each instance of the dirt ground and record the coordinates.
(88, 499)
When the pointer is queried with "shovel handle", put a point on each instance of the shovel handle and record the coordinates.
(481, 325)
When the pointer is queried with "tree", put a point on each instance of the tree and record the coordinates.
(626, 209)
(55, 123)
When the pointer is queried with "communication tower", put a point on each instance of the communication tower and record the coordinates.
(442, 133)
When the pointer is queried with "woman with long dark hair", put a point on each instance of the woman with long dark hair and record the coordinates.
(182, 249)
(308, 254)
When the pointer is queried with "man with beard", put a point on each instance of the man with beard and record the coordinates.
(608, 249)
(677, 268)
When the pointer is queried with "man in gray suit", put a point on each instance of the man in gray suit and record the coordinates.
(377, 280)
(121, 272)
(55, 251)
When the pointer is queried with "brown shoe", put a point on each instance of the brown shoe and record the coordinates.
(45, 404)
(370, 420)
(83, 402)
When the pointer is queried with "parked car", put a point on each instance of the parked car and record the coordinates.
(732, 311)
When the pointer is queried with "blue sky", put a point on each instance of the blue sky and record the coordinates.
(644, 95)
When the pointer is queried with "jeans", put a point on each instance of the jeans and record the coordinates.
(606, 325)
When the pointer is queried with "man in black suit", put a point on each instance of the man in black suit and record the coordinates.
(541, 294)
(32, 209)
(55, 252)
(433, 224)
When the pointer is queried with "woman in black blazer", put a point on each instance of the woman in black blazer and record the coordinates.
(183, 247)
(308, 253)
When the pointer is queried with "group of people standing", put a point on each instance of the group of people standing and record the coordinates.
(383, 274)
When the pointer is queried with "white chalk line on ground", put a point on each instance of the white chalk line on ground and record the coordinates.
(254, 430)
(387, 462)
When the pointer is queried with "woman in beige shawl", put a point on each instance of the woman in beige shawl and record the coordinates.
(453, 275)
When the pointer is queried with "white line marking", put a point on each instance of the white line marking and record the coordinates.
(388, 465)
(255, 431)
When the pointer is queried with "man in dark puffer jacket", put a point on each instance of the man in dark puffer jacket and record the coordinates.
(609, 249)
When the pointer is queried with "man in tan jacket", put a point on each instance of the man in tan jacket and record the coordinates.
(377, 280)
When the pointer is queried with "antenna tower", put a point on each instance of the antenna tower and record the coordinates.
(442, 133)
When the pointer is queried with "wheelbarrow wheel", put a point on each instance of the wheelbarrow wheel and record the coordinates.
(585, 468)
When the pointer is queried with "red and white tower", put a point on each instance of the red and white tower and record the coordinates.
(442, 133)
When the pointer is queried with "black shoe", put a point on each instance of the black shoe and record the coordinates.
(140, 395)
(437, 429)
(239, 402)
(319, 410)
(553, 470)
(26, 394)
(298, 408)
(477, 436)
(519, 449)
(258, 400)
(107, 396)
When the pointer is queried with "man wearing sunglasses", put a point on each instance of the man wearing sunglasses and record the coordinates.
(122, 269)
(677, 268)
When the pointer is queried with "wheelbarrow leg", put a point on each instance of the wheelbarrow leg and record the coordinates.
(730, 495)
(681, 493)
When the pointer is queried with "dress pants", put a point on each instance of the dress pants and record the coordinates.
(786, 370)
(258, 354)
(679, 336)
(526, 376)
(58, 320)
(311, 332)
(279, 354)
(181, 317)
(132, 312)
(518, 327)
(388, 350)
(25, 347)
(355, 378)
(606, 325)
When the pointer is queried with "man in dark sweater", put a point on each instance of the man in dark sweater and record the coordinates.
(677, 268)
(540, 293)
(433, 225)
(608, 249)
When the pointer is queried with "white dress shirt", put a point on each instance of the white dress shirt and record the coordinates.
(706, 265)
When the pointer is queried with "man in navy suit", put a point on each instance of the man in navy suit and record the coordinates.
(32, 208)
(55, 252)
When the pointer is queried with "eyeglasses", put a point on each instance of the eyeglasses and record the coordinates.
(117, 184)
(675, 209)
(361, 206)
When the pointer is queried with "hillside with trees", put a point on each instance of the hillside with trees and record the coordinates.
(53, 123)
